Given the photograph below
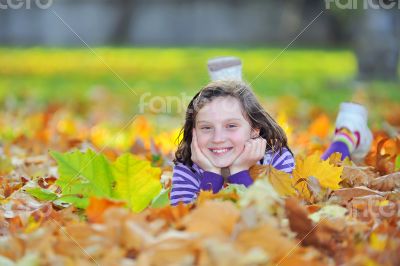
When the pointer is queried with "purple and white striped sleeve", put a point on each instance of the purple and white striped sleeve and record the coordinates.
(280, 160)
(186, 184)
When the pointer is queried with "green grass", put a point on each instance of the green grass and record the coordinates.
(323, 78)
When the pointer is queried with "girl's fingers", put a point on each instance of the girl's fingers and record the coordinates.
(193, 146)
(259, 148)
(194, 141)
(256, 148)
(196, 145)
(262, 147)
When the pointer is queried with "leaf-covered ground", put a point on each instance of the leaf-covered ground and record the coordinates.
(89, 206)
(86, 184)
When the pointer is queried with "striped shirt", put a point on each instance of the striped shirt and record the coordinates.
(187, 182)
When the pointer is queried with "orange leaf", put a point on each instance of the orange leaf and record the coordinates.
(213, 218)
(320, 126)
(97, 207)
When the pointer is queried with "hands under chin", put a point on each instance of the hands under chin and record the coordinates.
(200, 159)
(253, 151)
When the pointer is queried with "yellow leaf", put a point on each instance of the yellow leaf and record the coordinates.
(378, 241)
(137, 181)
(327, 175)
(281, 181)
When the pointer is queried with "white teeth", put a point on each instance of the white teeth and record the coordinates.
(220, 151)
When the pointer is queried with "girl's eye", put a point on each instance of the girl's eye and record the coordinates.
(232, 126)
(205, 128)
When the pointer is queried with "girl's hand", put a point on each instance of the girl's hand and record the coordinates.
(199, 158)
(253, 151)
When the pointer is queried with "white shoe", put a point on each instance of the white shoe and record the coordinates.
(225, 68)
(354, 117)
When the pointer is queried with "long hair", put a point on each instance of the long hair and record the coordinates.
(251, 108)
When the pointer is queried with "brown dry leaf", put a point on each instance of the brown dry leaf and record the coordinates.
(130, 230)
(213, 219)
(353, 176)
(181, 249)
(280, 249)
(73, 237)
(387, 150)
(344, 195)
(217, 252)
(323, 235)
(138, 147)
(97, 207)
(266, 237)
(386, 183)
(373, 207)
(258, 171)
(136, 237)
(12, 248)
(304, 259)
(171, 214)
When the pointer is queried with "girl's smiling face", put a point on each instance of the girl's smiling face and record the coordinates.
(222, 130)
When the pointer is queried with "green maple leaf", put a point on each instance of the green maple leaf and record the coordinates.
(162, 199)
(83, 175)
(42, 193)
(397, 163)
(137, 181)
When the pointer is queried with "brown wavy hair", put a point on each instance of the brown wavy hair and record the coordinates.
(251, 108)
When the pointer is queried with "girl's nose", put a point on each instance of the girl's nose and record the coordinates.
(218, 136)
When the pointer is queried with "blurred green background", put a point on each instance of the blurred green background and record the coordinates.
(322, 77)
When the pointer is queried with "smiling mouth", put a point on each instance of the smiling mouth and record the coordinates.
(220, 151)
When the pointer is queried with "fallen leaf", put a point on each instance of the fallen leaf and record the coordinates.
(255, 237)
(97, 206)
(137, 181)
(323, 235)
(328, 175)
(386, 183)
(281, 181)
(344, 195)
(213, 218)
(353, 176)
(320, 126)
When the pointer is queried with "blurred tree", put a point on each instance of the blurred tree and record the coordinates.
(374, 30)
(377, 44)
(120, 35)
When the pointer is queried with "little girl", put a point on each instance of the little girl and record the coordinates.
(226, 131)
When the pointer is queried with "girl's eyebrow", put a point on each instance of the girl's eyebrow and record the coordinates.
(226, 120)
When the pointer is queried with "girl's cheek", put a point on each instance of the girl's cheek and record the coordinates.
(202, 142)
(240, 138)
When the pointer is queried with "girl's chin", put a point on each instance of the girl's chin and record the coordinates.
(225, 160)
(222, 164)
